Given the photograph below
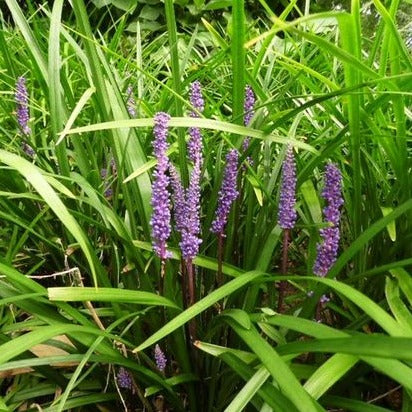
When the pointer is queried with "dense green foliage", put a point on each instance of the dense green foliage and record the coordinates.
(78, 273)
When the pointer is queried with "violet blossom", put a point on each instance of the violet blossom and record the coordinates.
(28, 149)
(130, 103)
(179, 199)
(22, 103)
(160, 221)
(124, 379)
(195, 140)
(328, 248)
(227, 193)
(160, 358)
(287, 214)
(191, 241)
(248, 106)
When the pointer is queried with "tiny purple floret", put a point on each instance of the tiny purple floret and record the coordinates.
(160, 221)
(22, 103)
(287, 213)
(227, 193)
(328, 248)
(160, 359)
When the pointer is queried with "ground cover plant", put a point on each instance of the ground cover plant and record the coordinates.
(205, 214)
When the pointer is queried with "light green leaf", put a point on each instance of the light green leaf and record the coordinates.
(78, 294)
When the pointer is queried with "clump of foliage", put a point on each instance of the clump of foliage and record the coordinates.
(216, 217)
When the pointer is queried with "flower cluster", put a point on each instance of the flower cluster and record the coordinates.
(287, 213)
(22, 103)
(248, 105)
(160, 221)
(227, 193)
(28, 149)
(124, 380)
(328, 248)
(195, 140)
(187, 201)
(130, 103)
(160, 358)
(191, 241)
(178, 198)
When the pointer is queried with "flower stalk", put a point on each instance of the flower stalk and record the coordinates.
(287, 215)
(227, 195)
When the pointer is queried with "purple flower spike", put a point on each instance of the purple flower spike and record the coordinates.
(249, 105)
(160, 221)
(187, 211)
(245, 143)
(22, 102)
(124, 380)
(195, 140)
(227, 193)
(287, 213)
(28, 149)
(190, 242)
(130, 103)
(160, 359)
(196, 98)
(178, 197)
(328, 248)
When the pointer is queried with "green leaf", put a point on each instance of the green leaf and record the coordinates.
(246, 394)
(398, 308)
(405, 282)
(353, 405)
(370, 345)
(187, 122)
(312, 201)
(329, 373)
(239, 316)
(392, 225)
(149, 12)
(78, 294)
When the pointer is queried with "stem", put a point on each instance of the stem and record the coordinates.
(219, 259)
(318, 311)
(192, 297)
(184, 284)
(162, 276)
(284, 268)
(191, 283)
(236, 249)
